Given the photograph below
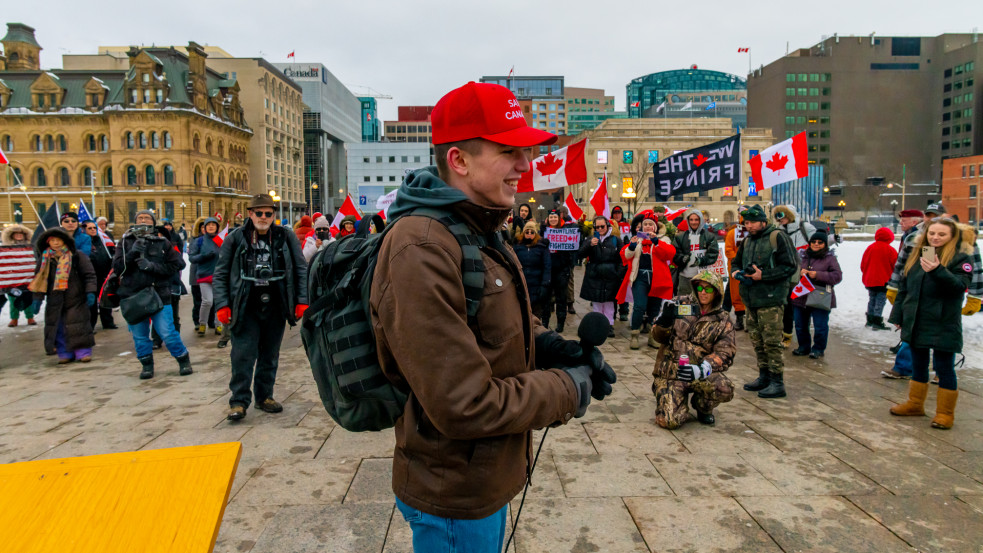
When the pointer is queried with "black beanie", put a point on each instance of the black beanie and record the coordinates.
(819, 235)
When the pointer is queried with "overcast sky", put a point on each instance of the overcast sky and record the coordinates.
(417, 50)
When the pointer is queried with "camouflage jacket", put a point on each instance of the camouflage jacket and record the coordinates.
(708, 336)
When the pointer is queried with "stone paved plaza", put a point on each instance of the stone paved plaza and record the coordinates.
(827, 469)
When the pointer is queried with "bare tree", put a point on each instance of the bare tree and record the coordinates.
(639, 174)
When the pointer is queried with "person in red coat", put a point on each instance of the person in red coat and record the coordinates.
(648, 279)
(304, 227)
(876, 265)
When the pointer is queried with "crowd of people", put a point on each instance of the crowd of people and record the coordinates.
(477, 403)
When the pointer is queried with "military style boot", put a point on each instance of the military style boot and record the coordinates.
(633, 342)
(652, 342)
(945, 409)
(148, 367)
(776, 386)
(185, 363)
(915, 406)
(740, 320)
(759, 383)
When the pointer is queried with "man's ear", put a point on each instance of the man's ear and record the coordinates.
(458, 161)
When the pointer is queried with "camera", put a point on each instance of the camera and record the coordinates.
(322, 233)
(263, 271)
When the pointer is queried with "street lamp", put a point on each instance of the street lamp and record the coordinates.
(276, 199)
(894, 211)
(314, 201)
(183, 220)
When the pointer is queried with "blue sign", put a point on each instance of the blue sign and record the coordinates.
(363, 200)
(751, 189)
(653, 156)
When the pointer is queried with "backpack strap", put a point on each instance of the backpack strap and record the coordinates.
(472, 265)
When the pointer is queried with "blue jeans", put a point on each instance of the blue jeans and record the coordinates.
(903, 361)
(645, 308)
(163, 322)
(942, 361)
(820, 320)
(877, 297)
(433, 534)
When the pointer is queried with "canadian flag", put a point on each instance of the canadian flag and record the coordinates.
(599, 200)
(564, 167)
(291, 55)
(219, 238)
(803, 287)
(3, 158)
(670, 215)
(743, 50)
(783, 162)
(573, 208)
(635, 104)
(347, 208)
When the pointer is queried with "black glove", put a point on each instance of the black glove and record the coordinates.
(581, 376)
(689, 373)
(143, 264)
(685, 260)
(602, 376)
(742, 278)
(699, 261)
(667, 317)
(553, 350)
(140, 246)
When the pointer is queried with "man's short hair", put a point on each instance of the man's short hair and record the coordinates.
(472, 146)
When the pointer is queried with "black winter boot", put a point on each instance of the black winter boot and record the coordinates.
(759, 383)
(870, 322)
(560, 322)
(776, 387)
(877, 323)
(148, 367)
(740, 320)
(185, 363)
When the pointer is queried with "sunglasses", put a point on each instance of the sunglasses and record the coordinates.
(601, 226)
(69, 221)
(701, 288)
(263, 213)
(818, 242)
(530, 231)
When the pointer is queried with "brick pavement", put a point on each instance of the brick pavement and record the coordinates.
(827, 469)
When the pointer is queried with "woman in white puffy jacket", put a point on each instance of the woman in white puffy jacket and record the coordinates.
(320, 238)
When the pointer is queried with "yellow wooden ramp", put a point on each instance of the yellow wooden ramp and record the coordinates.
(145, 501)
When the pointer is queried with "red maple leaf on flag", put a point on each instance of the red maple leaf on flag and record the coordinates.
(700, 160)
(777, 162)
(549, 166)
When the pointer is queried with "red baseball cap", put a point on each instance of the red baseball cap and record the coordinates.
(484, 110)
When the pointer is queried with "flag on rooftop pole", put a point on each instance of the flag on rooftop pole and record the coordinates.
(713, 105)
(291, 55)
(743, 50)
(786, 161)
(687, 106)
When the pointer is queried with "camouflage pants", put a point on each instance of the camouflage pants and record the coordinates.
(671, 410)
(764, 326)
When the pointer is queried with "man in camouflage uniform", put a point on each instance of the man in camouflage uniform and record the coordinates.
(763, 265)
(694, 325)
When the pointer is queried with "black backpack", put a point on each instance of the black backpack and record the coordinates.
(337, 327)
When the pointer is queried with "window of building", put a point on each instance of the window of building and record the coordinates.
(392, 178)
(824, 120)
(800, 120)
(63, 178)
(131, 211)
(790, 120)
(107, 177)
(378, 178)
(392, 159)
(813, 105)
(131, 175)
(803, 91)
(803, 77)
(790, 92)
(814, 77)
(146, 95)
(40, 177)
(813, 92)
(947, 116)
(87, 177)
(790, 77)
(168, 175)
(37, 143)
(152, 206)
(366, 179)
(945, 131)
(149, 175)
(134, 96)
(50, 143)
(154, 140)
(416, 159)
(128, 141)
(104, 141)
(142, 140)
(800, 105)
(945, 145)
(947, 87)
(404, 159)
(160, 95)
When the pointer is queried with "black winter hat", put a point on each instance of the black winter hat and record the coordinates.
(755, 213)
(819, 235)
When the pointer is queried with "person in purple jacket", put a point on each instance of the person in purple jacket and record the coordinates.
(820, 266)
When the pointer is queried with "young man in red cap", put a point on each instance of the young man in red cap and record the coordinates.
(464, 441)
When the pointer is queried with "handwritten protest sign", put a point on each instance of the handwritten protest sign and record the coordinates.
(563, 239)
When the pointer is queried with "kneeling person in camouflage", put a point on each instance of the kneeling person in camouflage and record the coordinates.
(695, 326)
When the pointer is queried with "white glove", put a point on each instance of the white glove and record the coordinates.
(689, 373)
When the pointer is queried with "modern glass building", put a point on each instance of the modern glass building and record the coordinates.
(586, 120)
(527, 88)
(371, 127)
(651, 90)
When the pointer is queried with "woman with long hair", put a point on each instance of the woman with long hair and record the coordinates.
(519, 219)
(928, 312)
(604, 269)
(534, 255)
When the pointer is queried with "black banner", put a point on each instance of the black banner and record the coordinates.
(712, 166)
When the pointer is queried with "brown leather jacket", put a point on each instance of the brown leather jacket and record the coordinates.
(464, 442)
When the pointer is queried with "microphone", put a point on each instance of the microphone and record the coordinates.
(593, 331)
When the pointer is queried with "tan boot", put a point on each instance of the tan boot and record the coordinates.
(945, 408)
(652, 342)
(786, 340)
(915, 406)
(633, 342)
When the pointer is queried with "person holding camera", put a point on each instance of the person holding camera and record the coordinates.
(765, 262)
(928, 309)
(696, 250)
(604, 270)
(146, 263)
(260, 284)
(697, 344)
(648, 254)
(321, 237)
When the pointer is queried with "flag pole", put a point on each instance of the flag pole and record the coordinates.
(24, 190)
